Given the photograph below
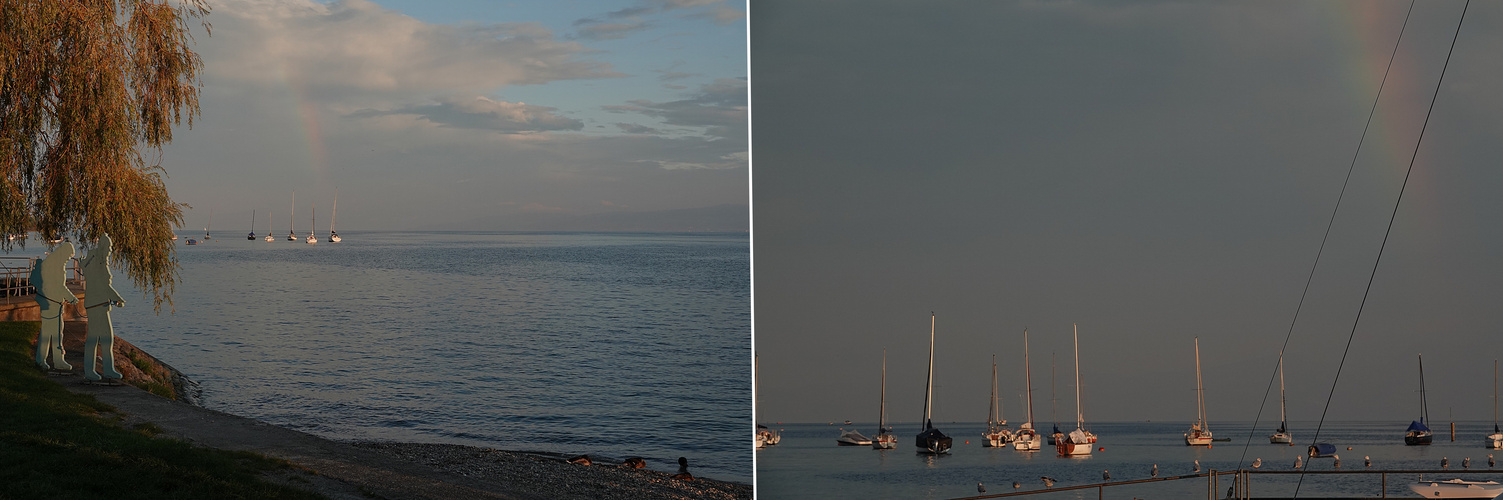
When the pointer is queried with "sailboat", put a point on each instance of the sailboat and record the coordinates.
(291, 226)
(1418, 434)
(1495, 440)
(885, 439)
(765, 437)
(209, 225)
(1282, 435)
(252, 235)
(312, 219)
(269, 237)
(1027, 439)
(931, 440)
(333, 236)
(852, 437)
(997, 433)
(1199, 434)
(1080, 440)
(1055, 436)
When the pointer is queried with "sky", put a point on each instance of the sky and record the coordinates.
(1153, 172)
(468, 115)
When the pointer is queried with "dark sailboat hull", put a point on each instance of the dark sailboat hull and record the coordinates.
(933, 441)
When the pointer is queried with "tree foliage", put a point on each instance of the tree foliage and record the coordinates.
(90, 90)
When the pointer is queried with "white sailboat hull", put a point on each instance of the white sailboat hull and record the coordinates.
(1495, 441)
(1280, 438)
(1457, 488)
(998, 439)
(1198, 438)
(1027, 440)
(885, 442)
(1066, 448)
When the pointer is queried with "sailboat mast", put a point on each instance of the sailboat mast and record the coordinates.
(334, 211)
(1200, 393)
(1053, 400)
(1028, 376)
(1495, 394)
(1424, 404)
(882, 400)
(929, 385)
(991, 418)
(1283, 418)
(1079, 413)
(292, 217)
(312, 219)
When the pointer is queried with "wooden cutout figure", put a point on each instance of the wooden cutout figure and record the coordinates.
(100, 296)
(48, 277)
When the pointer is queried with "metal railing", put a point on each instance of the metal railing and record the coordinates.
(1241, 481)
(15, 277)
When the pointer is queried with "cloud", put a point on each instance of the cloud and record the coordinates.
(355, 45)
(611, 31)
(596, 28)
(733, 160)
(484, 114)
(719, 108)
(632, 128)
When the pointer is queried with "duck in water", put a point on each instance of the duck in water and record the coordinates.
(683, 470)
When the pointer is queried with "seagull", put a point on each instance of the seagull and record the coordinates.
(1257, 463)
(1154, 472)
(1048, 481)
(1016, 485)
(1297, 461)
(1466, 463)
(1445, 463)
(1367, 461)
(1337, 463)
(980, 488)
(1197, 467)
(1490, 461)
(1106, 475)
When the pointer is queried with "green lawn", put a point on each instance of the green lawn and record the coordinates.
(55, 444)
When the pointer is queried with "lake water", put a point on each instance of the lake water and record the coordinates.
(608, 344)
(808, 463)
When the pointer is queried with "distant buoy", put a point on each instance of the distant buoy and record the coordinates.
(1103, 448)
(1348, 448)
(1209, 446)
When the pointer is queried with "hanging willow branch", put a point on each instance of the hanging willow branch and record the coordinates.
(89, 89)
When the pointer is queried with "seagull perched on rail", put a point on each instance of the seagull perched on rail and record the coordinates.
(1048, 481)
(1197, 467)
(980, 488)
(1297, 462)
(1337, 463)
(1016, 485)
(1106, 475)
(1367, 461)
(1445, 463)
(1490, 461)
(1466, 462)
(1154, 472)
(1258, 462)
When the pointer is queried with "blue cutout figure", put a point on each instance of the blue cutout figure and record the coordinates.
(100, 296)
(51, 292)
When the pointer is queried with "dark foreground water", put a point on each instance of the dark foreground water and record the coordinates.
(808, 464)
(608, 344)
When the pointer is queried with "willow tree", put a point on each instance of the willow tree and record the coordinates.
(90, 90)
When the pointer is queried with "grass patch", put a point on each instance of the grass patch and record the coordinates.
(57, 444)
